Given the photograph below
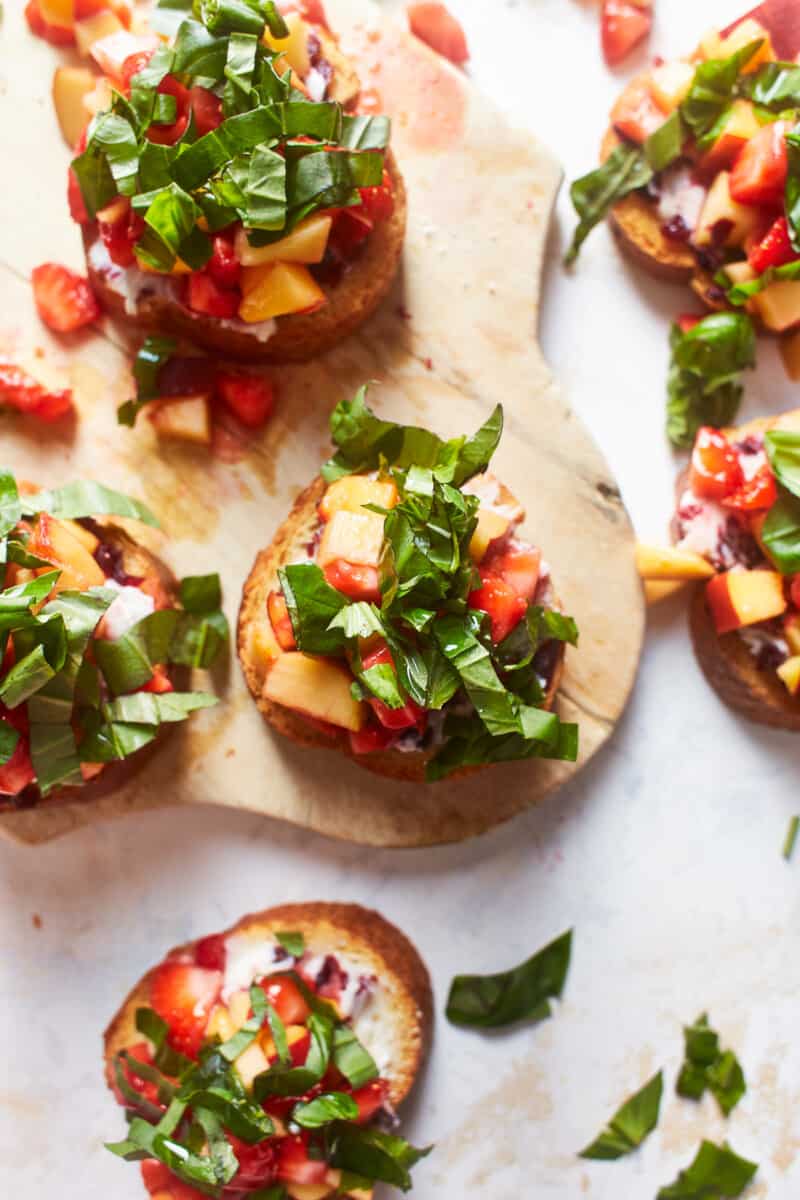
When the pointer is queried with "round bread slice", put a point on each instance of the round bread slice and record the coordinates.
(297, 337)
(259, 650)
(136, 561)
(395, 1026)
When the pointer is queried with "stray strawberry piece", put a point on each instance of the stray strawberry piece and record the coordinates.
(623, 25)
(250, 397)
(184, 995)
(294, 1164)
(203, 295)
(223, 266)
(64, 300)
(377, 203)
(715, 471)
(280, 621)
(287, 999)
(210, 952)
(371, 739)
(370, 1099)
(20, 390)
(207, 109)
(687, 321)
(774, 250)
(755, 494)
(497, 598)
(358, 582)
(159, 683)
(759, 172)
(435, 25)
(518, 566)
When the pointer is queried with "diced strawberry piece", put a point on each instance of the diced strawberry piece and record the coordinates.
(435, 25)
(159, 683)
(756, 494)
(687, 321)
(294, 1164)
(715, 471)
(636, 115)
(774, 250)
(257, 1164)
(20, 390)
(207, 109)
(64, 300)
(623, 25)
(18, 772)
(759, 172)
(377, 203)
(167, 135)
(77, 208)
(310, 10)
(203, 295)
(495, 597)
(56, 35)
(370, 740)
(370, 1099)
(33, 15)
(518, 566)
(794, 591)
(298, 1050)
(407, 717)
(223, 266)
(280, 620)
(358, 582)
(351, 228)
(132, 65)
(250, 397)
(184, 995)
(145, 1087)
(211, 952)
(286, 998)
(160, 1182)
(121, 233)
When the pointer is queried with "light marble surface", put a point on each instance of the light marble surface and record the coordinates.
(664, 855)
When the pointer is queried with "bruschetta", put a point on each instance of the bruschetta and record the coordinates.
(736, 530)
(273, 1056)
(698, 169)
(229, 193)
(400, 617)
(94, 635)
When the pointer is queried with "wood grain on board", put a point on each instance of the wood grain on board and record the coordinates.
(456, 335)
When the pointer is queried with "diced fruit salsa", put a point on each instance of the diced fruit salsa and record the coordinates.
(86, 649)
(740, 510)
(247, 1074)
(221, 171)
(711, 143)
(418, 619)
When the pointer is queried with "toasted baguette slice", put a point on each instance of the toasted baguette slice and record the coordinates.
(395, 1026)
(259, 650)
(136, 561)
(297, 337)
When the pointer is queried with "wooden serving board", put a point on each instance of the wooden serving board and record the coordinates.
(456, 336)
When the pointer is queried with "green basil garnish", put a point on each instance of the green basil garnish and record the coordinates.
(375, 1155)
(153, 354)
(322, 1110)
(703, 385)
(631, 1123)
(521, 994)
(716, 1171)
(791, 838)
(705, 1065)
(293, 942)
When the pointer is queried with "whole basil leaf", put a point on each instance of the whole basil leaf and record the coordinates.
(523, 993)
(703, 384)
(716, 1171)
(625, 170)
(631, 1123)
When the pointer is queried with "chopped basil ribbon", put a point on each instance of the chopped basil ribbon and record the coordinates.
(322, 1110)
(630, 1125)
(439, 647)
(738, 294)
(715, 1172)
(269, 164)
(791, 838)
(293, 942)
(706, 1066)
(780, 533)
(153, 354)
(630, 167)
(67, 689)
(703, 385)
(523, 993)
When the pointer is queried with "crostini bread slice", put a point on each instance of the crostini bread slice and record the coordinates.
(297, 337)
(396, 1024)
(259, 650)
(137, 561)
(725, 660)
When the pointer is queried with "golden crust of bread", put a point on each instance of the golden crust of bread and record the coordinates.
(258, 650)
(299, 336)
(636, 225)
(725, 660)
(136, 561)
(351, 928)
